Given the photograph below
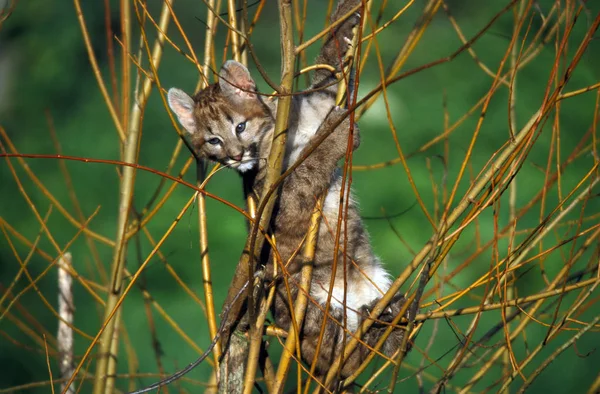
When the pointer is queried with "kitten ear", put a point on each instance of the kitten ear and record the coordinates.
(235, 81)
(183, 106)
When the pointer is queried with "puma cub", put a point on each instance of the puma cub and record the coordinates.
(229, 122)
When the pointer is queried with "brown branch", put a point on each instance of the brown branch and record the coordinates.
(245, 268)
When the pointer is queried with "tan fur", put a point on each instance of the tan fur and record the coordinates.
(215, 112)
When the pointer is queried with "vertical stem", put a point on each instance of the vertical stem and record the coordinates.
(211, 27)
(96, 69)
(118, 264)
(292, 342)
(245, 268)
(64, 337)
(206, 272)
(243, 26)
(125, 67)
(510, 289)
(203, 230)
(130, 152)
(235, 40)
(274, 164)
(111, 369)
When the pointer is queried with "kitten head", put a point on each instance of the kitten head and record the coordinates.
(227, 121)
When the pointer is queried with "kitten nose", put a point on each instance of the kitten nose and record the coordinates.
(237, 157)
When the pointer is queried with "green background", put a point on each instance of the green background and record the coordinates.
(44, 68)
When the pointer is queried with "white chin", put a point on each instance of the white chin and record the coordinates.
(246, 166)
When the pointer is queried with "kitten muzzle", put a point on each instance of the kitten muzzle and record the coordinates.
(242, 162)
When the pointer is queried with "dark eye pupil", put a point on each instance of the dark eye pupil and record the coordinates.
(240, 127)
(214, 141)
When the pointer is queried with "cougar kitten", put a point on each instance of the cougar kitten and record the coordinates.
(230, 123)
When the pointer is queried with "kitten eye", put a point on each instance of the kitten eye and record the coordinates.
(240, 127)
(214, 141)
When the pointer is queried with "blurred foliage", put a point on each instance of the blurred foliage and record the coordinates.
(48, 81)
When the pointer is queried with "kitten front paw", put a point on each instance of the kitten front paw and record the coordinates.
(389, 313)
(337, 44)
(346, 29)
(385, 316)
